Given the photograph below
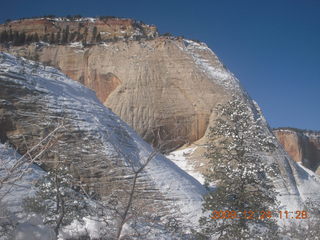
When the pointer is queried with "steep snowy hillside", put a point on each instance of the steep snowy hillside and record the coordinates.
(99, 148)
(12, 196)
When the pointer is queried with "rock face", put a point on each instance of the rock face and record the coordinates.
(302, 146)
(165, 88)
(99, 148)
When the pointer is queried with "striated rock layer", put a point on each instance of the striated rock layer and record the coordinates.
(302, 146)
(99, 148)
(66, 30)
(165, 88)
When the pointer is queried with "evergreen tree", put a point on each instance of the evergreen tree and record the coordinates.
(29, 38)
(80, 25)
(15, 38)
(18, 38)
(52, 38)
(65, 35)
(22, 38)
(36, 37)
(244, 199)
(4, 36)
(72, 36)
(98, 39)
(94, 34)
(45, 38)
(84, 38)
(58, 37)
(56, 200)
(78, 37)
(10, 35)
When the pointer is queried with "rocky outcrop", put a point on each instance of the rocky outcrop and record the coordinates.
(302, 146)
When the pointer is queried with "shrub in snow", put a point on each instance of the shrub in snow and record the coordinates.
(7, 223)
(56, 201)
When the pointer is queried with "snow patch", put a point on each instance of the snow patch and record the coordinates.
(180, 158)
(76, 45)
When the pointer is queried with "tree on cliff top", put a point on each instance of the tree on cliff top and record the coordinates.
(244, 187)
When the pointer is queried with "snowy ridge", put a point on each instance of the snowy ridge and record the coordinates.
(64, 94)
(209, 63)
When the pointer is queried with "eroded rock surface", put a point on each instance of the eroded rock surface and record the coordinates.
(99, 148)
(165, 88)
(74, 29)
(302, 146)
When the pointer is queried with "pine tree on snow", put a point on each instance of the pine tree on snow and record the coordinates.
(242, 179)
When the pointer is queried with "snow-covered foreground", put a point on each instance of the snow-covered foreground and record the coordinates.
(180, 158)
(28, 226)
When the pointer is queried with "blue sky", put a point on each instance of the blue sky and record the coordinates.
(272, 46)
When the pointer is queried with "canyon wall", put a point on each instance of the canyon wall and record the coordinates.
(165, 88)
(302, 146)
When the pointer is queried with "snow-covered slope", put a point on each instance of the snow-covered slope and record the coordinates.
(180, 158)
(94, 142)
(27, 227)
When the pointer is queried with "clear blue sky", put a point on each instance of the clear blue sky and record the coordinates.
(272, 46)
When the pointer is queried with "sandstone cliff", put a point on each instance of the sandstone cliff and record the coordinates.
(163, 88)
(302, 146)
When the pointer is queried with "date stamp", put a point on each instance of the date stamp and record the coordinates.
(261, 215)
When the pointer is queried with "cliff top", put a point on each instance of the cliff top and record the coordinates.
(60, 30)
(304, 131)
(103, 20)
